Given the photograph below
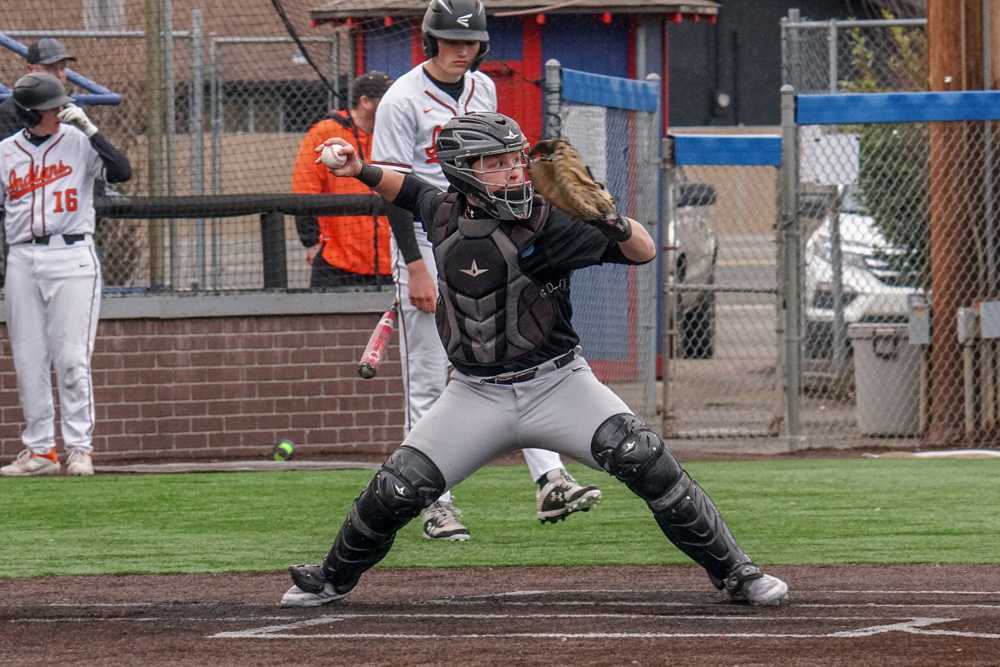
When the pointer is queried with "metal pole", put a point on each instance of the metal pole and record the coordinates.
(196, 129)
(988, 190)
(273, 254)
(651, 165)
(837, 265)
(794, 46)
(170, 110)
(351, 67)
(791, 265)
(330, 95)
(552, 122)
(336, 71)
(988, 347)
(668, 262)
(831, 48)
(154, 133)
(215, 52)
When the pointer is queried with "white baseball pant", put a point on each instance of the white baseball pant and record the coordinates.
(53, 302)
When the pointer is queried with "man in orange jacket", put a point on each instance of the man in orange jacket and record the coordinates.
(344, 251)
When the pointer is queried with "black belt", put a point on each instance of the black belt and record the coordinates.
(528, 374)
(70, 239)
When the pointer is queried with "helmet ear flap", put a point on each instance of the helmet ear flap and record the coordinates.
(430, 45)
(29, 117)
(484, 48)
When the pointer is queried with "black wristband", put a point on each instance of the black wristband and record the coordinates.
(370, 175)
(619, 230)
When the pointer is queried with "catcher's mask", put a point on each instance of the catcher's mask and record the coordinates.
(38, 91)
(457, 20)
(464, 140)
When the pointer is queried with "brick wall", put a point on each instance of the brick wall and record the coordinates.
(229, 387)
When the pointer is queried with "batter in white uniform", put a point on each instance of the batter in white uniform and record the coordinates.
(407, 123)
(53, 287)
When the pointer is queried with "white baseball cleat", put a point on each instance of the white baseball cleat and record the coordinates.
(311, 588)
(441, 522)
(749, 584)
(296, 597)
(561, 495)
(78, 463)
(30, 464)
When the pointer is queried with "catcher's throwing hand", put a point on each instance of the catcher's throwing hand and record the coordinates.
(352, 167)
(74, 115)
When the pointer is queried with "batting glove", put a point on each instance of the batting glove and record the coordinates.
(74, 115)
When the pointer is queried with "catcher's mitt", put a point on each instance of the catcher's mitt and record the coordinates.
(560, 175)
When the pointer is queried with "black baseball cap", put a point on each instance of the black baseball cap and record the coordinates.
(372, 84)
(48, 51)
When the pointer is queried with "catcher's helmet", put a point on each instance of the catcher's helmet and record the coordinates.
(36, 92)
(465, 139)
(458, 20)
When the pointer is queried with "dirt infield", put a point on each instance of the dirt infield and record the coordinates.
(589, 616)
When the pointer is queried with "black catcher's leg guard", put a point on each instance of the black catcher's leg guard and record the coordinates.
(405, 484)
(625, 447)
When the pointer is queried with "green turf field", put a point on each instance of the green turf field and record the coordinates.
(782, 512)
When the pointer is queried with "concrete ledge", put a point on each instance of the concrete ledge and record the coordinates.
(231, 466)
(240, 305)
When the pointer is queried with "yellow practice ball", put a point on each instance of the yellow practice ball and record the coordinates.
(284, 450)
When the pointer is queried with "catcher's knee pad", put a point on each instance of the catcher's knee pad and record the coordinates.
(405, 484)
(625, 447)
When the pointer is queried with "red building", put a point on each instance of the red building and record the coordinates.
(624, 38)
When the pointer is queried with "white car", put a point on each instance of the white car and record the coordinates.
(873, 291)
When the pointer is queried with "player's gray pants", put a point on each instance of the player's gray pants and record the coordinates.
(53, 301)
(473, 423)
(424, 362)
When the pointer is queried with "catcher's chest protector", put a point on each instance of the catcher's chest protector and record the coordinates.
(489, 312)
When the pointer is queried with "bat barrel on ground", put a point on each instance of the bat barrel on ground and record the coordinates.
(377, 342)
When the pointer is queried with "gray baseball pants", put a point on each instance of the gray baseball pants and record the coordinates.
(474, 421)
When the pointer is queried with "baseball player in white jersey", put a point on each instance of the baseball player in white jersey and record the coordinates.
(53, 287)
(407, 123)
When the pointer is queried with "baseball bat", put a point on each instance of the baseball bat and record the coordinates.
(372, 356)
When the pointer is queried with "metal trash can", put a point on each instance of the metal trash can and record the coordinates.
(886, 379)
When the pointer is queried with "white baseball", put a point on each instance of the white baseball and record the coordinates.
(333, 156)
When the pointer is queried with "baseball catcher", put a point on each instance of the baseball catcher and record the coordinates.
(519, 376)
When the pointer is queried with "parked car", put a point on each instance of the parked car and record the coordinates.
(695, 249)
(872, 290)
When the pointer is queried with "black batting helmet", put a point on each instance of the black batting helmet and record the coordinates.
(38, 91)
(464, 140)
(458, 20)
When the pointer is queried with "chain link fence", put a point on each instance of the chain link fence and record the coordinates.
(840, 56)
(215, 99)
(613, 122)
(898, 230)
(722, 367)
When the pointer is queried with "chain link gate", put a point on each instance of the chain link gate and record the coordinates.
(722, 376)
(613, 123)
(895, 206)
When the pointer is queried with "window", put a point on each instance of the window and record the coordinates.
(104, 15)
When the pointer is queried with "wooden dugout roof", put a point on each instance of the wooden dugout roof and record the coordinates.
(343, 9)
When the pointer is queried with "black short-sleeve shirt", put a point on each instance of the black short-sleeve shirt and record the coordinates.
(561, 246)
